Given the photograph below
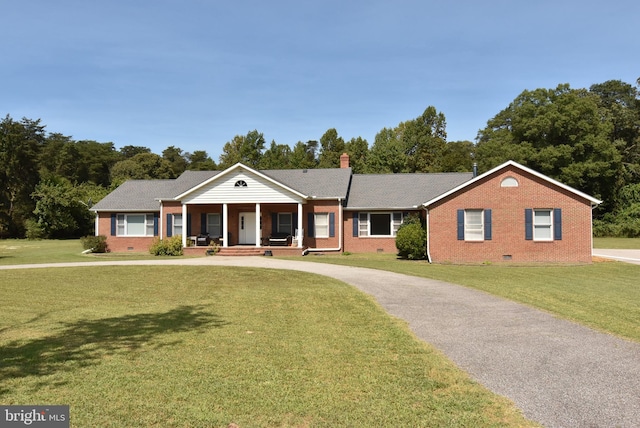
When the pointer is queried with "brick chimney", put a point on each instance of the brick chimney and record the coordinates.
(344, 160)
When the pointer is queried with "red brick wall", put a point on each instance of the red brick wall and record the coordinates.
(355, 244)
(121, 243)
(508, 230)
(321, 207)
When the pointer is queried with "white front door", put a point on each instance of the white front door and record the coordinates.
(247, 232)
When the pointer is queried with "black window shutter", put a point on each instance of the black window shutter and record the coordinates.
(332, 225)
(155, 224)
(203, 223)
(311, 227)
(460, 225)
(528, 224)
(274, 222)
(356, 216)
(487, 225)
(294, 223)
(557, 224)
(113, 224)
(169, 225)
(188, 224)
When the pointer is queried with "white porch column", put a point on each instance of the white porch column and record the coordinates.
(225, 225)
(184, 225)
(258, 231)
(300, 232)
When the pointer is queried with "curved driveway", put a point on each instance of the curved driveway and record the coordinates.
(558, 373)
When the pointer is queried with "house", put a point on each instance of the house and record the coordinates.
(508, 214)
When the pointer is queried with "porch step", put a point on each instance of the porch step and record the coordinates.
(240, 251)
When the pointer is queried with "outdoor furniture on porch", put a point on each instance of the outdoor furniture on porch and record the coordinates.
(280, 239)
(203, 240)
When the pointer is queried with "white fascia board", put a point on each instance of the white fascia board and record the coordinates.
(233, 168)
(550, 180)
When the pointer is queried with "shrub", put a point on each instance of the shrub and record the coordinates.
(167, 247)
(33, 229)
(411, 239)
(97, 244)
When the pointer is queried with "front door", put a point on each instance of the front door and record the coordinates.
(247, 232)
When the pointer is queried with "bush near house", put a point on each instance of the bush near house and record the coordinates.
(167, 247)
(411, 239)
(97, 244)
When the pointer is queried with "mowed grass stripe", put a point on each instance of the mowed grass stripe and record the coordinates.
(206, 346)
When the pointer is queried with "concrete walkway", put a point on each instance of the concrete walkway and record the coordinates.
(558, 373)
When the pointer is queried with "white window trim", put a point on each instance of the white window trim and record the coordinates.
(467, 229)
(321, 228)
(546, 226)
(122, 221)
(174, 230)
(365, 231)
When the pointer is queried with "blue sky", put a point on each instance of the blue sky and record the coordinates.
(195, 73)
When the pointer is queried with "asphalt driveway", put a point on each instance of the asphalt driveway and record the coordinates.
(559, 373)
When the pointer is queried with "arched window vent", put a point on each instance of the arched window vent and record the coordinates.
(509, 182)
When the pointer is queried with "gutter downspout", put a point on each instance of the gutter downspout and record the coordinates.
(309, 250)
(428, 237)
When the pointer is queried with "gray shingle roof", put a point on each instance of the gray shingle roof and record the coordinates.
(321, 183)
(367, 191)
(400, 191)
(136, 195)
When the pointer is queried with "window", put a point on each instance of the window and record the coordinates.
(379, 224)
(285, 224)
(134, 225)
(322, 225)
(213, 225)
(177, 224)
(543, 224)
(240, 183)
(509, 182)
(474, 225)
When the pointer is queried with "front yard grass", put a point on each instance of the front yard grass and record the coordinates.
(24, 251)
(604, 295)
(206, 346)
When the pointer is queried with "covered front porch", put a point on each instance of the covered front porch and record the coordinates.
(272, 227)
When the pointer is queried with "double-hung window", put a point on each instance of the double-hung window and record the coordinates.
(543, 224)
(285, 223)
(474, 225)
(213, 225)
(321, 221)
(135, 225)
(177, 224)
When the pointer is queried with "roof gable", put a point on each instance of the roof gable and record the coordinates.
(514, 164)
(239, 184)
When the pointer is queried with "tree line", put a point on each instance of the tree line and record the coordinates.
(586, 138)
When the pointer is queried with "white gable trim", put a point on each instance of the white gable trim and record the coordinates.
(230, 170)
(591, 199)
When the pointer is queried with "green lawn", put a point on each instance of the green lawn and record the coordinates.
(605, 296)
(23, 251)
(617, 243)
(207, 346)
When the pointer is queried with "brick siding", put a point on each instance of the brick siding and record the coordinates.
(508, 205)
